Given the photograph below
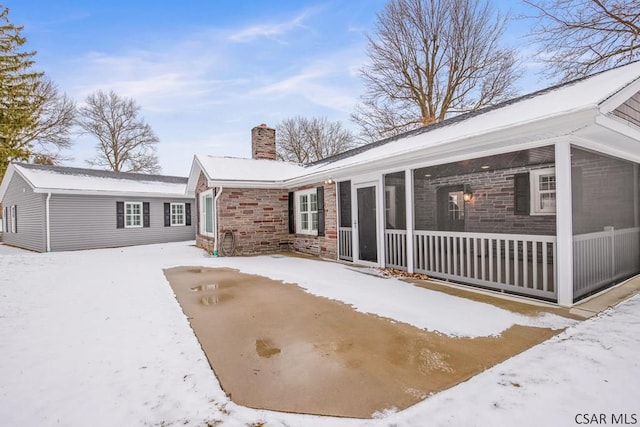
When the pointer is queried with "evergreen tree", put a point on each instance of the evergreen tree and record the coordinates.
(19, 95)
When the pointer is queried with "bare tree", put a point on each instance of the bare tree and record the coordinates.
(51, 133)
(580, 37)
(304, 140)
(430, 59)
(125, 142)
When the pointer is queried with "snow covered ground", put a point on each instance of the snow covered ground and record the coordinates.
(97, 338)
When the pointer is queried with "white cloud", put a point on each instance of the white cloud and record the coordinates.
(271, 31)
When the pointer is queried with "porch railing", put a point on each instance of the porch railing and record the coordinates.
(345, 250)
(523, 264)
(395, 248)
(601, 258)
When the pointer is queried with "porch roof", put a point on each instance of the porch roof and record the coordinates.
(562, 110)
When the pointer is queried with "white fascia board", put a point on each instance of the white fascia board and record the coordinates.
(623, 127)
(11, 170)
(112, 193)
(607, 149)
(481, 145)
(194, 174)
(248, 184)
(620, 97)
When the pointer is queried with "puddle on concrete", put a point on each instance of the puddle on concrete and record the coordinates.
(207, 287)
(215, 299)
(266, 348)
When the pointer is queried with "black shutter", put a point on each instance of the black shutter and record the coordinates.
(167, 214)
(187, 214)
(119, 214)
(522, 196)
(15, 218)
(320, 202)
(146, 222)
(292, 214)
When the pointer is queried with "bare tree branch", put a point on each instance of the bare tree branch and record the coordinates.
(303, 140)
(125, 142)
(580, 37)
(430, 59)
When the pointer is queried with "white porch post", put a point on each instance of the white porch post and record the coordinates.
(382, 255)
(408, 185)
(564, 224)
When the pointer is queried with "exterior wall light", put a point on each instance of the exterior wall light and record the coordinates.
(328, 181)
(467, 194)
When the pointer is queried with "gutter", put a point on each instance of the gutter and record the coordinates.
(215, 224)
(47, 217)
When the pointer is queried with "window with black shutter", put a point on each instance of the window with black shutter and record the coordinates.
(167, 214)
(119, 214)
(522, 198)
(320, 205)
(146, 221)
(292, 214)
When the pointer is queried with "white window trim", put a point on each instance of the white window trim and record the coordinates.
(298, 195)
(184, 214)
(125, 214)
(203, 224)
(534, 186)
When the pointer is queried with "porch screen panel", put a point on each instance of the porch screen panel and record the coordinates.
(394, 201)
(344, 189)
(606, 220)
(473, 222)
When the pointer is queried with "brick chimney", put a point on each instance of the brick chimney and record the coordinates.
(263, 142)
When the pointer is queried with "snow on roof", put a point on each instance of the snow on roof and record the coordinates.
(238, 169)
(556, 101)
(57, 179)
(566, 98)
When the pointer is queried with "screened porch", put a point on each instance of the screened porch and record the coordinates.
(493, 221)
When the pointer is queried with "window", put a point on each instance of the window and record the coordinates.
(13, 219)
(132, 214)
(207, 214)
(307, 211)
(177, 214)
(543, 191)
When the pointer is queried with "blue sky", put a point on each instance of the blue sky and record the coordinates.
(206, 72)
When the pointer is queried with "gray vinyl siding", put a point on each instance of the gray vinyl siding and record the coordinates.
(89, 222)
(630, 110)
(30, 213)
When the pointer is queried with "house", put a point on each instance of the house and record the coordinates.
(538, 196)
(53, 208)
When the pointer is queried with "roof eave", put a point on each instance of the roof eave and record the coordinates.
(124, 194)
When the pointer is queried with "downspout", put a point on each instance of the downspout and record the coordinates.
(215, 223)
(48, 235)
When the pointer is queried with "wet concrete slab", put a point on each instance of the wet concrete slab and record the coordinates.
(274, 346)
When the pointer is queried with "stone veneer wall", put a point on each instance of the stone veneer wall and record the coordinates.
(257, 217)
(492, 207)
(323, 246)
